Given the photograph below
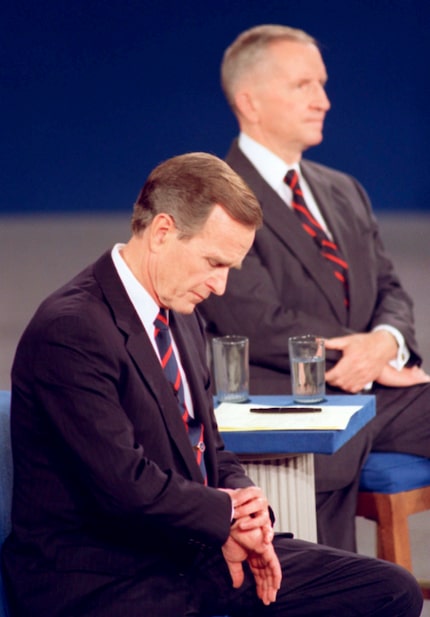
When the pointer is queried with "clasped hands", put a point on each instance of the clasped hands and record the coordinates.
(365, 359)
(250, 540)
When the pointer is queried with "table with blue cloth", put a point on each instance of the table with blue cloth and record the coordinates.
(281, 461)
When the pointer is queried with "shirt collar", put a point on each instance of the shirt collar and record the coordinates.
(144, 304)
(269, 165)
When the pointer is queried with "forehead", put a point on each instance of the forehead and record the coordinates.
(223, 236)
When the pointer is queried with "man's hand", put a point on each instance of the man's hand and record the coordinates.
(267, 574)
(364, 357)
(234, 555)
(251, 540)
(251, 510)
(407, 376)
(263, 562)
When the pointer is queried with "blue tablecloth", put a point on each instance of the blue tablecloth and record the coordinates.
(291, 442)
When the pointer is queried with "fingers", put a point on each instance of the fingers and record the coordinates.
(268, 534)
(250, 502)
(234, 555)
(243, 496)
(254, 521)
(236, 573)
(407, 376)
(363, 359)
(338, 342)
(262, 559)
(418, 375)
(348, 376)
(267, 574)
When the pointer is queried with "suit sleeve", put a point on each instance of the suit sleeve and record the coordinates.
(393, 305)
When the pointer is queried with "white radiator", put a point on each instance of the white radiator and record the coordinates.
(288, 483)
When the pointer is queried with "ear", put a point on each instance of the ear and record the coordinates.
(247, 106)
(162, 229)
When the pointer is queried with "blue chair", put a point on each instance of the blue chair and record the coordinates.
(393, 486)
(5, 482)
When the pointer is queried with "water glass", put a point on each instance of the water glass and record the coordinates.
(307, 361)
(231, 368)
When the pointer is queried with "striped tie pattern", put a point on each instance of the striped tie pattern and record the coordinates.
(329, 249)
(170, 366)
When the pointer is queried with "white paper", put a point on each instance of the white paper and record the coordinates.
(238, 417)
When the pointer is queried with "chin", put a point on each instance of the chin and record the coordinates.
(317, 139)
(184, 309)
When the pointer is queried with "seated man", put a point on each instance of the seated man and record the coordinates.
(125, 501)
(317, 266)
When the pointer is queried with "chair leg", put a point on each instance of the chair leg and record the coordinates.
(425, 588)
(390, 512)
(392, 527)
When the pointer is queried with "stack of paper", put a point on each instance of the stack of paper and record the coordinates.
(238, 417)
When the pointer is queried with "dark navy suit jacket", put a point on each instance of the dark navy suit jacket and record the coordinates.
(284, 288)
(106, 483)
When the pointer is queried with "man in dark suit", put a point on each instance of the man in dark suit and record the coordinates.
(290, 283)
(116, 511)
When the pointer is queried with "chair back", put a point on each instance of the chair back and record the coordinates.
(5, 482)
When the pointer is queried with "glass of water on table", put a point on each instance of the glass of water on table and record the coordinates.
(307, 361)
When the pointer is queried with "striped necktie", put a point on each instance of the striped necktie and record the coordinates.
(328, 248)
(170, 366)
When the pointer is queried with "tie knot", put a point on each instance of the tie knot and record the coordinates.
(291, 178)
(161, 322)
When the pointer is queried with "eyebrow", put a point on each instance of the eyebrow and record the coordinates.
(224, 264)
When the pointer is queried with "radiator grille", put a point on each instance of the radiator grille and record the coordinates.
(289, 486)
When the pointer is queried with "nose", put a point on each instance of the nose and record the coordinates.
(321, 100)
(218, 281)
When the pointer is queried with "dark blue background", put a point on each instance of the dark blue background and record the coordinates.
(95, 93)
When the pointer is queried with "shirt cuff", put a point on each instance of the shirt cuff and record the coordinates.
(403, 353)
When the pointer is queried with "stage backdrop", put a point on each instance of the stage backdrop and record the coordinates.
(95, 93)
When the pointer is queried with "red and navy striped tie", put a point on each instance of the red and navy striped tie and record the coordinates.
(171, 370)
(329, 249)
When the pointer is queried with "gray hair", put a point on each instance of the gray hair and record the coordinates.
(249, 49)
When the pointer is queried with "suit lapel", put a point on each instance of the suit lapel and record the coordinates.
(284, 224)
(144, 357)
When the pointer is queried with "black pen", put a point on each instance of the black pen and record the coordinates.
(285, 409)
